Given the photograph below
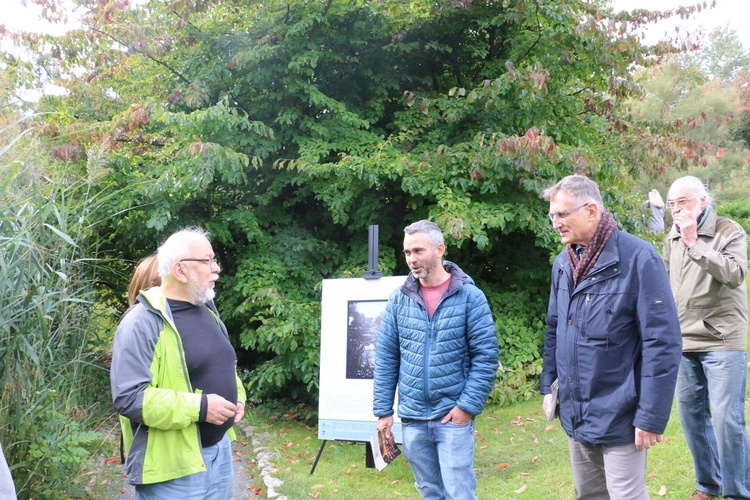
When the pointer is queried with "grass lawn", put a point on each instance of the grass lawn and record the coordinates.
(518, 454)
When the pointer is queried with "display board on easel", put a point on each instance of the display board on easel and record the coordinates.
(349, 327)
(350, 321)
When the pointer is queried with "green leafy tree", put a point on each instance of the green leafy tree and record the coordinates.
(723, 54)
(707, 110)
(286, 128)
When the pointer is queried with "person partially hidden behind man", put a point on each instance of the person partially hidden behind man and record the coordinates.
(438, 345)
(174, 379)
(613, 343)
(706, 258)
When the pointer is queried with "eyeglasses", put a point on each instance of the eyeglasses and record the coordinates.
(563, 215)
(679, 202)
(210, 262)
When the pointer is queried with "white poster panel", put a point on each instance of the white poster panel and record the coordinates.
(350, 321)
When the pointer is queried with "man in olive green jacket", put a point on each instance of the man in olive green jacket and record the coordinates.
(174, 379)
(706, 259)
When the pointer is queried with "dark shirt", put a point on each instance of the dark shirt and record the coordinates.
(210, 361)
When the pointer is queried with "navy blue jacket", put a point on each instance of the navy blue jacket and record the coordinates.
(440, 362)
(614, 343)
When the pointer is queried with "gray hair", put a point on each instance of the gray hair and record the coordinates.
(433, 232)
(177, 247)
(579, 187)
(695, 185)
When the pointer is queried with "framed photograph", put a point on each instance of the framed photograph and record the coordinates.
(350, 321)
(362, 326)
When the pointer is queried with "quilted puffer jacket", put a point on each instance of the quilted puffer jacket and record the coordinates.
(438, 363)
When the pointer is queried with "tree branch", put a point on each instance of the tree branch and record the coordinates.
(146, 54)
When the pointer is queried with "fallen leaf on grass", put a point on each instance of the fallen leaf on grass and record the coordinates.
(104, 482)
(316, 486)
(502, 466)
(662, 491)
(521, 489)
(483, 447)
(651, 475)
(535, 460)
(313, 495)
(524, 474)
(113, 459)
(549, 427)
(395, 481)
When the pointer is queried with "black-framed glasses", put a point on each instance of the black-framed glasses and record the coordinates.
(210, 262)
(563, 215)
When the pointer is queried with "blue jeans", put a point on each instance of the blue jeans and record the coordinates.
(441, 457)
(217, 483)
(711, 402)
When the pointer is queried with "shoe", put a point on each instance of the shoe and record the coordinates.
(655, 199)
(701, 495)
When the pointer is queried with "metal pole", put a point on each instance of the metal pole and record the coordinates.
(372, 272)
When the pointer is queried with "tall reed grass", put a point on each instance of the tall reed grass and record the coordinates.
(50, 382)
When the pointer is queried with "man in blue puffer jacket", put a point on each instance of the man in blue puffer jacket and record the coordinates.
(438, 344)
(613, 343)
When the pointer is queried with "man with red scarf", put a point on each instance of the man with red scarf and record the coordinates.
(613, 344)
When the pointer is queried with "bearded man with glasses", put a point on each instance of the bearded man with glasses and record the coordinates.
(174, 379)
(612, 344)
(706, 258)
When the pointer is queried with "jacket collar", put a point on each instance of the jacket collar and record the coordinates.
(708, 228)
(458, 278)
(609, 256)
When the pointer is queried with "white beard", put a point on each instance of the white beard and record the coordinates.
(197, 295)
